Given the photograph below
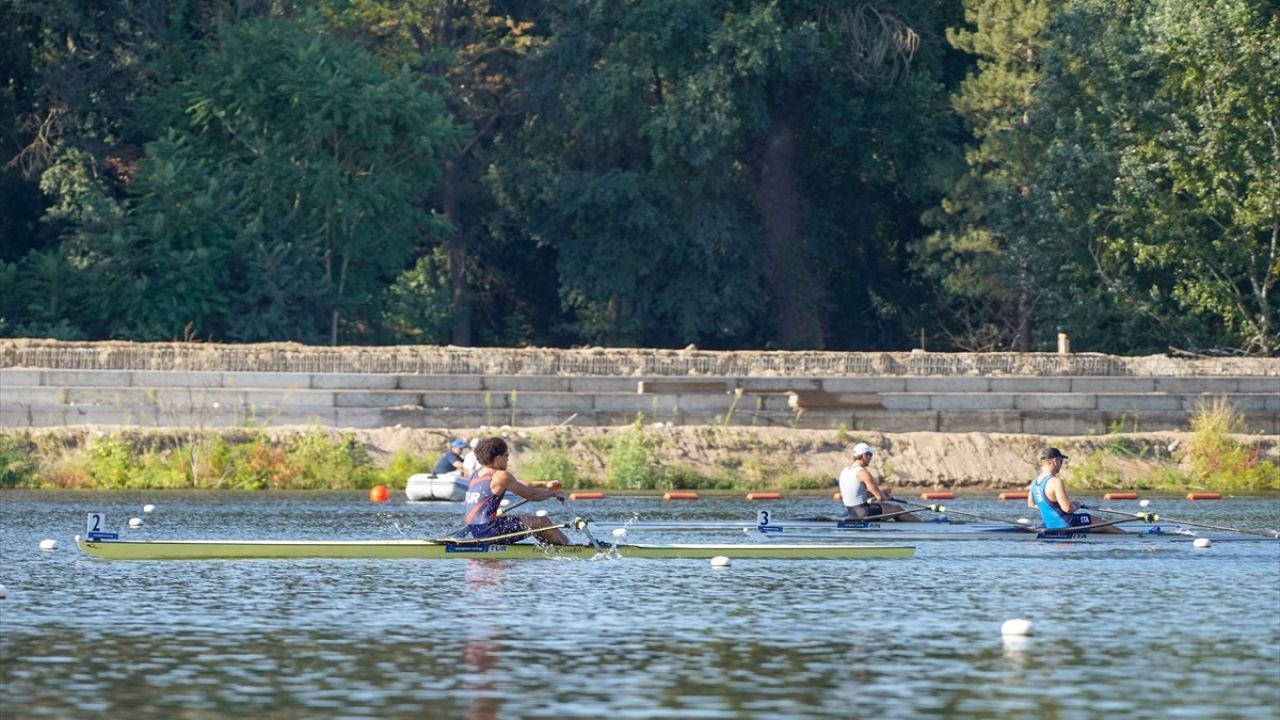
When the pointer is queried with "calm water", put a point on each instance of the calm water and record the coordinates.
(1132, 630)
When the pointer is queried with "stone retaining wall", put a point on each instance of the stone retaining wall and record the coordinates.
(430, 360)
(1042, 405)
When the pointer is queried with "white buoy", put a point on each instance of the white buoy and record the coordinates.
(541, 513)
(719, 561)
(1016, 627)
(1024, 521)
(2, 592)
(148, 508)
(1201, 542)
(48, 544)
(135, 523)
(1143, 503)
(619, 532)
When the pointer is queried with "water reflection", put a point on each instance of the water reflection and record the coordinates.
(485, 582)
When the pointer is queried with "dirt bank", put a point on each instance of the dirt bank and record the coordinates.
(911, 461)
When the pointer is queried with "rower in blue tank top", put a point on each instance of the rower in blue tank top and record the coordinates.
(490, 484)
(1048, 494)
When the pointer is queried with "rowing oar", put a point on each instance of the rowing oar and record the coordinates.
(1073, 529)
(580, 524)
(943, 510)
(877, 517)
(1154, 517)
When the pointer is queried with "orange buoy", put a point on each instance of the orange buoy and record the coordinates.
(586, 496)
(1012, 496)
(378, 494)
(680, 496)
(938, 496)
(764, 496)
(1120, 496)
(553, 485)
(837, 497)
(1204, 496)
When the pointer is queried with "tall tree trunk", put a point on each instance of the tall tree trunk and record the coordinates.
(455, 245)
(792, 290)
(1026, 304)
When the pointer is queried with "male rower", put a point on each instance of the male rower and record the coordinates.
(451, 461)
(1049, 495)
(486, 489)
(861, 494)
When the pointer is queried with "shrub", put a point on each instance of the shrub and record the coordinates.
(400, 466)
(629, 460)
(1218, 459)
(548, 461)
(324, 463)
(17, 464)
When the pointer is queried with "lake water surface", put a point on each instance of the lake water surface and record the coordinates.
(1127, 630)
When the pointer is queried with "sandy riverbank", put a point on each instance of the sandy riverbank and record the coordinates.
(764, 456)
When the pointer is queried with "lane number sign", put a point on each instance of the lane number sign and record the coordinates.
(96, 527)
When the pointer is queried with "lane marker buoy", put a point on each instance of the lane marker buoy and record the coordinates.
(48, 544)
(1144, 503)
(148, 508)
(1201, 542)
(720, 561)
(1016, 627)
(619, 532)
(135, 523)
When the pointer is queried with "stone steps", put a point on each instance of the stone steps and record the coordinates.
(1020, 404)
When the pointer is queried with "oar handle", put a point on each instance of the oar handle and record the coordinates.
(580, 524)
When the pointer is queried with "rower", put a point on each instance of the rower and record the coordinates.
(861, 494)
(1048, 494)
(486, 489)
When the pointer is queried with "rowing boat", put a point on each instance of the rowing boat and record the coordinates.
(110, 549)
(934, 530)
(904, 532)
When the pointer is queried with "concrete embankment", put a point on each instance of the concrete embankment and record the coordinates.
(56, 384)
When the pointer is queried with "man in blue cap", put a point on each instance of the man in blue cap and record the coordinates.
(451, 461)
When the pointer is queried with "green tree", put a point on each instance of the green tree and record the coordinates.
(1162, 167)
(469, 52)
(987, 255)
(1197, 196)
(283, 199)
(678, 159)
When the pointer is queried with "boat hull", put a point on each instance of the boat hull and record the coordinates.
(425, 487)
(904, 532)
(433, 550)
(894, 532)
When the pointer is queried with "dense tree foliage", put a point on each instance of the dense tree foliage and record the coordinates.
(971, 174)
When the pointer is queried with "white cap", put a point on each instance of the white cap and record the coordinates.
(862, 449)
